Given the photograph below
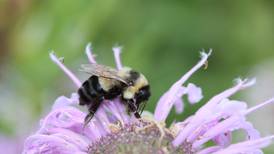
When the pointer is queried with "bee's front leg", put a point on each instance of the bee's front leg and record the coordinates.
(132, 107)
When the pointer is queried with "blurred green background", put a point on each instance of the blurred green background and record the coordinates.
(160, 38)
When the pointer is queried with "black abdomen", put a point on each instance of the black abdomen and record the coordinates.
(92, 92)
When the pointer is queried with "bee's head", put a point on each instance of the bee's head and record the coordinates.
(138, 88)
(142, 95)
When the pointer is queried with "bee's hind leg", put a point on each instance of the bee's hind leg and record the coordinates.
(88, 118)
(92, 110)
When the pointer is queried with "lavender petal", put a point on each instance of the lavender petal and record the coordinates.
(49, 144)
(249, 146)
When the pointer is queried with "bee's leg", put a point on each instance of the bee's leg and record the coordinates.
(133, 108)
(88, 118)
(137, 115)
(93, 108)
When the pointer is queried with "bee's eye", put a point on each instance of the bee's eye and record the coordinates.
(143, 94)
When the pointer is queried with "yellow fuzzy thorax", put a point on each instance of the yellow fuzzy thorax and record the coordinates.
(132, 90)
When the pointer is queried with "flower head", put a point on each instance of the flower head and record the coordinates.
(113, 130)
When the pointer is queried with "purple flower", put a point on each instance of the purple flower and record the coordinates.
(10, 145)
(113, 130)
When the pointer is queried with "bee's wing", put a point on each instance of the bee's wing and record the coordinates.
(102, 71)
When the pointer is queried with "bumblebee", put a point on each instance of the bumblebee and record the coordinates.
(106, 83)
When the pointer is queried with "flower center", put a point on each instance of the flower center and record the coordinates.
(143, 136)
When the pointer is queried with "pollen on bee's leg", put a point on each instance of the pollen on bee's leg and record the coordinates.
(89, 53)
(117, 53)
(59, 62)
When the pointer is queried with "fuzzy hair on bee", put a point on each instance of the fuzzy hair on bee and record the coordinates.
(106, 83)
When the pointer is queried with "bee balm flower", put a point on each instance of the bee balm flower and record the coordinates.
(113, 130)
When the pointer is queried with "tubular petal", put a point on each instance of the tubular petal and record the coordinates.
(206, 110)
(220, 128)
(166, 102)
(260, 106)
(117, 53)
(249, 146)
(89, 53)
(223, 139)
(209, 150)
(57, 61)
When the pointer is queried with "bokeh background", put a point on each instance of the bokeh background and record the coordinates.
(160, 38)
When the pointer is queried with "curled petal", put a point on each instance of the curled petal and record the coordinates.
(194, 93)
(72, 119)
(63, 101)
(49, 144)
(251, 132)
(179, 106)
(62, 118)
(80, 141)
